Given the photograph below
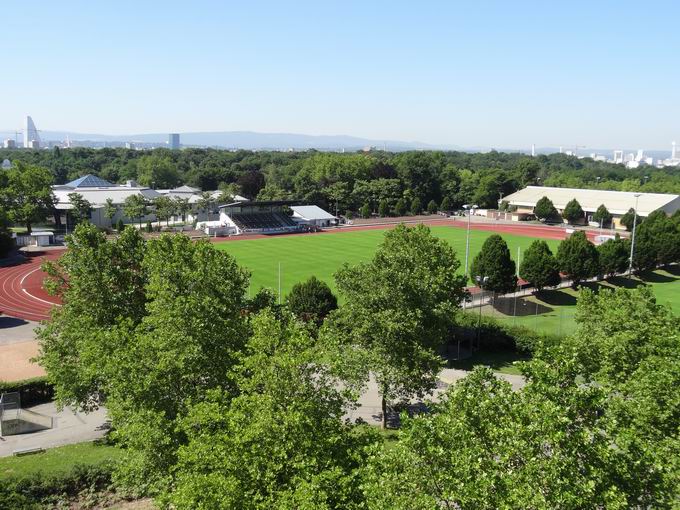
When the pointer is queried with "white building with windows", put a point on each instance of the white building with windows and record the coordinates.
(618, 203)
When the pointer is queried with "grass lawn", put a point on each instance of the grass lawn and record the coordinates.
(58, 461)
(321, 255)
(553, 310)
(498, 361)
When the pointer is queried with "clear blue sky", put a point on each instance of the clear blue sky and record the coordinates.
(502, 73)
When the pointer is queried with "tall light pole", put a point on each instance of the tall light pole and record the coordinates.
(632, 242)
(481, 282)
(469, 208)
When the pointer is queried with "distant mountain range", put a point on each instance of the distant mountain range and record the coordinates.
(283, 141)
(244, 140)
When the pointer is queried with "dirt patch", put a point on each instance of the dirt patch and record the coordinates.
(15, 361)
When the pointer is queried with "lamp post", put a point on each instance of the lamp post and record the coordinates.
(632, 242)
(469, 208)
(481, 282)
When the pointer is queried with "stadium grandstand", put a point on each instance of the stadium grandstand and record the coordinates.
(259, 217)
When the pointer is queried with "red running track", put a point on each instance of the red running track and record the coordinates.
(21, 291)
(22, 294)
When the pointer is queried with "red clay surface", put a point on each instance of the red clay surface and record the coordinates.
(22, 294)
(21, 291)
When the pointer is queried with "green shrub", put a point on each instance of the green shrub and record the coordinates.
(120, 225)
(40, 491)
(37, 390)
(495, 335)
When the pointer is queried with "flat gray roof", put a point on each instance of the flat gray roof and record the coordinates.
(617, 202)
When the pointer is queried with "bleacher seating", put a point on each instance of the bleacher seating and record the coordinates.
(266, 221)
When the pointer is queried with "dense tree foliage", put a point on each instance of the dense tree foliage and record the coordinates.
(281, 443)
(147, 328)
(399, 309)
(347, 181)
(311, 301)
(613, 256)
(629, 219)
(594, 427)
(578, 258)
(494, 264)
(539, 266)
(573, 212)
(545, 209)
(602, 216)
(81, 208)
(657, 242)
(26, 194)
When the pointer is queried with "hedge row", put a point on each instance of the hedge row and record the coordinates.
(39, 491)
(496, 335)
(37, 390)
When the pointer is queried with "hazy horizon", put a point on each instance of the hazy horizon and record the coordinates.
(498, 75)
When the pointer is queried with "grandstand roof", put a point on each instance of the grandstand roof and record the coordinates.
(89, 181)
(311, 212)
(265, 203)
(617, 202)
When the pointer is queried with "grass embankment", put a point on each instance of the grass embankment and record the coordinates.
(552, 311)
(58, 461)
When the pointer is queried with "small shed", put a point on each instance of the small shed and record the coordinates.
(42, 238)
(313, 215)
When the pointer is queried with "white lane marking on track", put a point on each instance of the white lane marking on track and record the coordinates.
(21, 284)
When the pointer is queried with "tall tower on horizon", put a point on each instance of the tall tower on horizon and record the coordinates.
(173, 141)
(30, 133)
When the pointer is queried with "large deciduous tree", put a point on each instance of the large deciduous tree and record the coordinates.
(629, 218)
(494, 264)
(578, 258)
(135, 206)
(80, 207)
(657, 242)
(545, 209)
(595, 426)
(27, 194)
(157, 171)
(573, 212)
(399, 309)
(602, 216)
(281, 443)
(539, 266)
(613, 256)
(147, 328)
(311, 301)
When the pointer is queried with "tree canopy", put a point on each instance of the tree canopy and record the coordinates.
(27, 194)
(578, 258)
(494, 263)
(311, 301)
(545, 209)
(399, 308)
(573, 212)
(539, 266)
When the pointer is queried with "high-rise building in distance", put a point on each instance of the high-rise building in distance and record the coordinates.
(31, 136)
(9, 144)
(173, 141)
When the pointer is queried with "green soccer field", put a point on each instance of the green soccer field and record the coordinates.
(321, 255)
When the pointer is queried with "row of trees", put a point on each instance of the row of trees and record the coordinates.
(657, 243)
(349, 181)
(227, 402)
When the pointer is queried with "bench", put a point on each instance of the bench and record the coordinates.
(27, 451)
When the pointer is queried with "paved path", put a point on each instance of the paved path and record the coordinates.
(370, 410)
(69, 428)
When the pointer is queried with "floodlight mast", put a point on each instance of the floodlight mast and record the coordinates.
(469, 208)
(632, 241)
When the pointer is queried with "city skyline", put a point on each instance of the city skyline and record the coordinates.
(495, 76)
